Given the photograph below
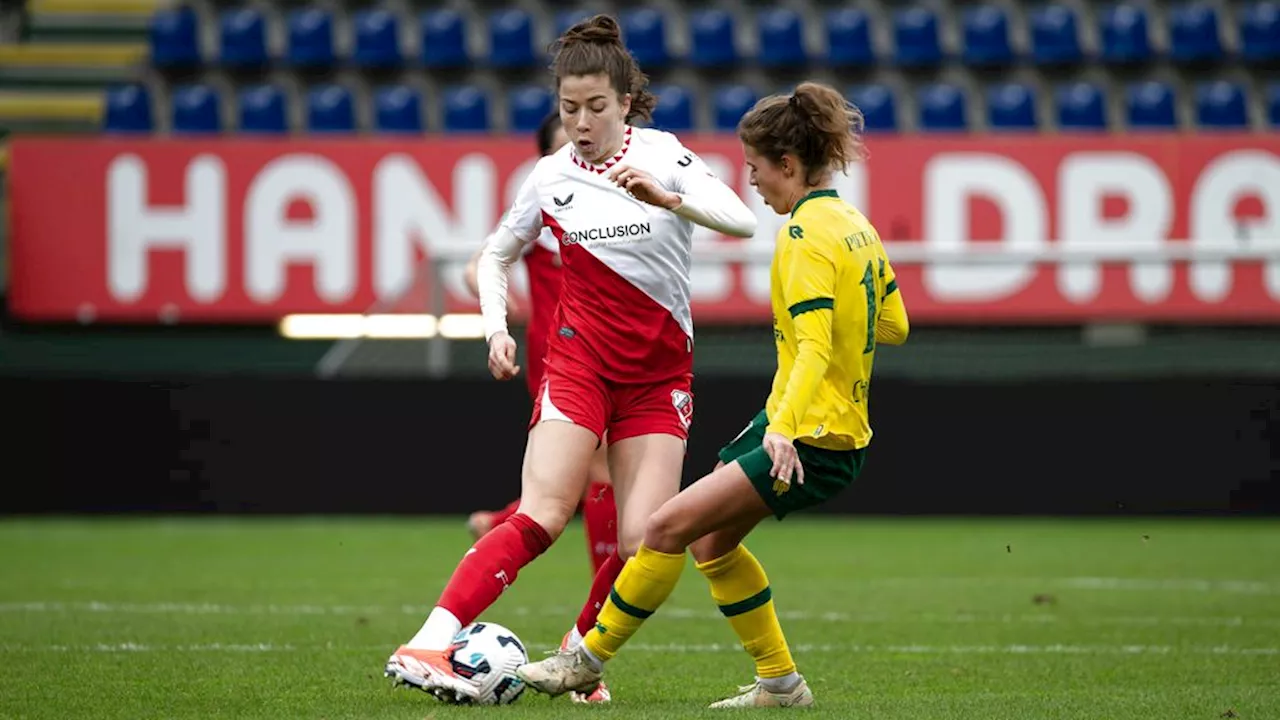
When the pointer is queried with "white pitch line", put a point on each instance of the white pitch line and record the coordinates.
(672, 613)
(709, 648)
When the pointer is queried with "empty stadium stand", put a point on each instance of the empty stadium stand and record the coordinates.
(413, 66)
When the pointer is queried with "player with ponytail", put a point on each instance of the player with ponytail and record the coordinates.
(834, 299)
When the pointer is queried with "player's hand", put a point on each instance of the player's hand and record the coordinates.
(502, 356)
(643, 187)
(786, 462)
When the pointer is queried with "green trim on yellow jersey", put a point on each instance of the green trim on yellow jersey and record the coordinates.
(812, 195)
(891, 288)
(801, 308)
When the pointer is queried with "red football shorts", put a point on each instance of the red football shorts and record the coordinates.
(572, 392)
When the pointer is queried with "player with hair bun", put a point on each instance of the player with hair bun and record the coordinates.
(599, 511)
(622, 202)
(834, 299)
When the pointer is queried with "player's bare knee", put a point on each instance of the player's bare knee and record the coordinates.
(551, 512)
(666, 532)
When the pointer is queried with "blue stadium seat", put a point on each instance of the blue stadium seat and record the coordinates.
(1055, 35)
(377, 39)
(529, 105)
(511, 39)
(731, 103)
(713, 44)
(645, 32)
(849, 38)
(444, 39)
(1221, 105)
(330, 109)
(398, 109)
(879, 109)
(262, 110)
(1273, 105)
(173, 38)
(1011, 106)
(244, 38)
(466, 109)
(128, 110)
(566, 19)
(674, 111)
(986, 36)
(942, 108)
(196, 109)
(1125, 38)
(781, 38)
(915, 33)
(311, 38)
(1081, 106)
(1150, 106)
(1193, 33)
(1260, 31)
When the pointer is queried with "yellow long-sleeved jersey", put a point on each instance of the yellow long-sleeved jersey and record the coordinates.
(834, 298)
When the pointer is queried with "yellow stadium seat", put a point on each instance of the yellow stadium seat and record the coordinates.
(71, 55)
(58, 107)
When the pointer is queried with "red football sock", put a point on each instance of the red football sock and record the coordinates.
(600, 520)
(501, 516)
(600, 588)
(491, 566)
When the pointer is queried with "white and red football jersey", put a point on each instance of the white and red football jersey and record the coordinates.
(624, 303)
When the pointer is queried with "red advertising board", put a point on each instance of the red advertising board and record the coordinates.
(242, 230)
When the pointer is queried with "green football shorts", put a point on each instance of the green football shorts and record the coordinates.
(826, 472)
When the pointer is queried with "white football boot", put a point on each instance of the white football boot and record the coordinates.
(756, 695)
(600, 695)
(565, 671)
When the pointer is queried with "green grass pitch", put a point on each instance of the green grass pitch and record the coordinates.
(918, 619)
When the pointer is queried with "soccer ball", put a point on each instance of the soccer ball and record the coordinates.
(487, 655)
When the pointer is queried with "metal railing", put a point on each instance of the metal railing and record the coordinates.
(756, 253)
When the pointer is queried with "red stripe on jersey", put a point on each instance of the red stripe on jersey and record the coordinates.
(611, 325)
(544, 270)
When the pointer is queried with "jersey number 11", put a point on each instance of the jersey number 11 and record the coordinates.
(869, 285)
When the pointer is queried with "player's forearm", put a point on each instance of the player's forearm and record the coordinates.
(893, 326)
(493, 268)
(713, 205)
(813, 355)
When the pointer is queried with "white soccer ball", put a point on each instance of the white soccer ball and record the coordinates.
(487, 655)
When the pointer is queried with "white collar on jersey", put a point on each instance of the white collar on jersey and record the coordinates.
(599, 168)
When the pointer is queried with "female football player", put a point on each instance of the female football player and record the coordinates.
(599, 512)
(834, 298)
(622, 202)
(542, 261)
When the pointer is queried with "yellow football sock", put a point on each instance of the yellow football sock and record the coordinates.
(741, 589)
(643, 585)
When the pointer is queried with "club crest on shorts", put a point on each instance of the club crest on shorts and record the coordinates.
(683, 403)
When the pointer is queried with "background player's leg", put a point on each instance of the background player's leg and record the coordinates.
(600, 518)
(600, 512)
(482, 521)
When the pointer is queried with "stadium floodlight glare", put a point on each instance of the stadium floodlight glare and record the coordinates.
(462, 327)
(382, 326)
(321, 327)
